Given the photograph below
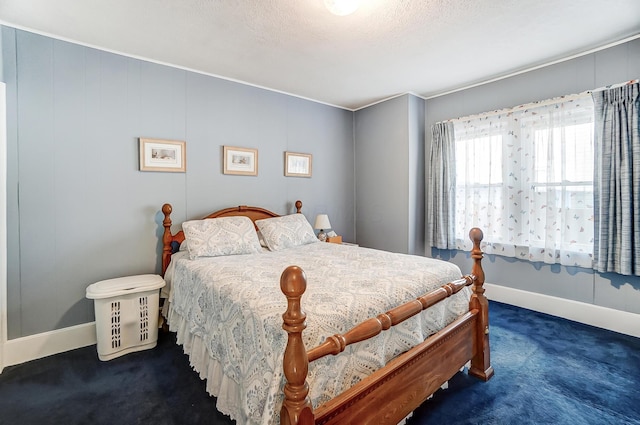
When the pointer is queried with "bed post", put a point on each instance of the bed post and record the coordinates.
(481, 362)
(167, 237)
(296, 407)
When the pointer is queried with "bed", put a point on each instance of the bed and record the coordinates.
(383, 332)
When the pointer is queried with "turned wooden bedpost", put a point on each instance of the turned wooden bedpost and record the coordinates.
(166, 237)
(481, 362)
(296, 407)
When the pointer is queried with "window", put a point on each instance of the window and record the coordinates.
(525, 177)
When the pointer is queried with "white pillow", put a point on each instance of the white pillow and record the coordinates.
(221, 236)
(184, 246)
(263, 243)
(286, 231)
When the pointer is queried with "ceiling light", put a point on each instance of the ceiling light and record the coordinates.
(342, 7)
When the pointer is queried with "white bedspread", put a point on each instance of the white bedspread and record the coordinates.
(227, 312)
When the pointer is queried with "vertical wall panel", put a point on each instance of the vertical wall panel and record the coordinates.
(37, 155)
(9, 71)
(70, 179)
(382, 175)
(416, 176)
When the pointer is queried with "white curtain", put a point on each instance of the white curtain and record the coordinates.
(525, 177)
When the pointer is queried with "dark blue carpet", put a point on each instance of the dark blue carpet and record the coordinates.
(548, 371)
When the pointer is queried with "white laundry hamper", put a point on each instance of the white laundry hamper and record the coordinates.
(126, 311)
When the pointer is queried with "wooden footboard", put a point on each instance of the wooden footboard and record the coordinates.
(405, 382)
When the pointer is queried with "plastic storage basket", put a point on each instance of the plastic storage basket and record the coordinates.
(126, 314)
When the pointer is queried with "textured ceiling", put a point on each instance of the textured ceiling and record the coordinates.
(384, 49)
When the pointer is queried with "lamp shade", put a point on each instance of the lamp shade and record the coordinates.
(322, 222)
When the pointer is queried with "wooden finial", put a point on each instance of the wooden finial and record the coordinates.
(476, 236)
(298, 206)
(167, 209)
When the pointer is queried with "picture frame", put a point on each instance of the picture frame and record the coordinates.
(297, 164)
(240, 161)
(162, 155)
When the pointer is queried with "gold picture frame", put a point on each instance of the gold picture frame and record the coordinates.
(240, 161)
(297, 164)
(162, 155)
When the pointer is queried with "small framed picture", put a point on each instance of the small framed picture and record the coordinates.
(297, 164)
(162, 155)
(240, 161)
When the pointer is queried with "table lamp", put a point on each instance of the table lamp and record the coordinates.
(322, 224)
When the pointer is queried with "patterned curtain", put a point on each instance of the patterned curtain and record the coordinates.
(617, 180)
(525, 177)
(440, 186)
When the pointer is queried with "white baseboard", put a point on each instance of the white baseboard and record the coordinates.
(21, 350)
(602, 317)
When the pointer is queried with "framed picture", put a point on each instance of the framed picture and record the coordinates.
(240, 161)
(297, 164)
(163, 155)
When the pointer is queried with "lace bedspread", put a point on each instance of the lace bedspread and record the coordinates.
(227, 312)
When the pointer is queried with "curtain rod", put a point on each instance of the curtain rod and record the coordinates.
(613, 86)
(521, 107)
(542, 102)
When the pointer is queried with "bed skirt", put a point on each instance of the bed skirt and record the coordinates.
(217, 384)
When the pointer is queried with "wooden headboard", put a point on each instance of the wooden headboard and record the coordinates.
(171, 241)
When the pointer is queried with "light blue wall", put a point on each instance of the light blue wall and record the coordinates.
(79, 210)
(390, 175)
(416, 188)
(611, 66)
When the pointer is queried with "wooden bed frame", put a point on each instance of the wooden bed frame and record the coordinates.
(394, 391)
